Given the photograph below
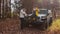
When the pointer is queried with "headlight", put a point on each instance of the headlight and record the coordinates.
(33, 18)
(43, 17)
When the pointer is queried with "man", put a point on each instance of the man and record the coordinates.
(35, 11)
(22, 15)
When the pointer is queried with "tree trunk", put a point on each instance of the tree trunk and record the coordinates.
(28, 5)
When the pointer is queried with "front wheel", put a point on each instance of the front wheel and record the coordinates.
(46, 25)
(50, 21)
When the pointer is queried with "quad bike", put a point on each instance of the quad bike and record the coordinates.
(44, 18)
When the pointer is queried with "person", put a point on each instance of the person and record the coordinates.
(35, 11)
(22, 15)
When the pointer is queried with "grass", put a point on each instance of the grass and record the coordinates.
(55, 25)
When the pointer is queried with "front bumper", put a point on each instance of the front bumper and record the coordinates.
(35, 20)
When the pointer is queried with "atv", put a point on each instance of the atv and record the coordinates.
(44, 18)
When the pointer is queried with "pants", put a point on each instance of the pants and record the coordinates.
(22, 22)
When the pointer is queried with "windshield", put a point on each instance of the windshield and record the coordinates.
(43, 12)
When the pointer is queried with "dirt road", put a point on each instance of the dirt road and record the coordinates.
(12, 26)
